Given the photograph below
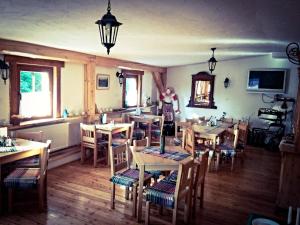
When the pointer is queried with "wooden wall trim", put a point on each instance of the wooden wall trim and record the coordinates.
(89, 90)
(72, 56)
(31, 61)
(297, 116)
(159, 81)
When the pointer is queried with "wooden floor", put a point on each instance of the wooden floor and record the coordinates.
(80, 194)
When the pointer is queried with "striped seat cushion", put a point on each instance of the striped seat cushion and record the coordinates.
(28, 162)
(156, 133)
(155, 173)
(138, 134)
(226, 150)
(162, 193)
(172, 177)
(128, 177)
(22, 178)
(177, 142)
(119, 136)
(118, 142)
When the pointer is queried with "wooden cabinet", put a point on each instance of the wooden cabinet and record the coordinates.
(289, 183)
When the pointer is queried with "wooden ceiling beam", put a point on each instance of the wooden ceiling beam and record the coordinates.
(66, 55)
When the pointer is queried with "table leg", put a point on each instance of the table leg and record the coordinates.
(108, 150)
(140, 194)
(0, 191)
(149, 133)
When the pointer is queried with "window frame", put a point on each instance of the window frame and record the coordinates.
(34, 68)
(14, 80)
(138, 75)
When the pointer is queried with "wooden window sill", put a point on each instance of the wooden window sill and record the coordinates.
(42, 122)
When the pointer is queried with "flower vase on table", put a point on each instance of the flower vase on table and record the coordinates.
(162, 144)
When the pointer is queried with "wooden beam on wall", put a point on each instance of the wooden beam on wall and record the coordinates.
(297, 116)
(89, 90)
(158, 79)
(72, 56)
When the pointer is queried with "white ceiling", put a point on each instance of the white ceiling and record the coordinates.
(157, 32)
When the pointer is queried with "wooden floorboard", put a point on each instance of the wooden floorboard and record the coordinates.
(80, 194)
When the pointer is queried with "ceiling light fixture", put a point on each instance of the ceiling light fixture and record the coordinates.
(108, 28)
(212, 61)
(293, 53)
(4, 70)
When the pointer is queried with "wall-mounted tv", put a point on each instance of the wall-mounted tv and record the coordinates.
(267, 80)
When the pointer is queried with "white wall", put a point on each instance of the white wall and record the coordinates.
(234, 100)
(4, 99)
(112, 97)
(72, 91)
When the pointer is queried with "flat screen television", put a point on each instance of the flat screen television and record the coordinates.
(267, 80)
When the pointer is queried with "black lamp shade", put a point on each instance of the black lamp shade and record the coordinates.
(108, 29)
(120, 76)
(226, 82)
(212, 62)
(4, 70)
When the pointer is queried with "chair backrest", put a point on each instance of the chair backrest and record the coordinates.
(188, 141)
(115, 119)
(227, 120)
(243, 132)
(185, 179)
(130, 138)
(143, 142)
(31, 135)
(119, 158)
(230, 136)
(44, 157)
(88, 133)
(179, 128)
(201, 169)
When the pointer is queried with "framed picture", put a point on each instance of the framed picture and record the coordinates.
(102, 82)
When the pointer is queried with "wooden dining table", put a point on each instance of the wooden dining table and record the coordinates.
(23, 149)
(149, 162)
(211, 132)
(113, 128)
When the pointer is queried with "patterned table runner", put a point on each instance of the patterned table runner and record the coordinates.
(177, 156)
(8, 149)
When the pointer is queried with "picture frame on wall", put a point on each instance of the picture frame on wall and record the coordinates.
(102, 82)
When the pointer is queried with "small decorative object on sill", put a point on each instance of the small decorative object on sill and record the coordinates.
(65, 113)
(104, 118)
(162, 144)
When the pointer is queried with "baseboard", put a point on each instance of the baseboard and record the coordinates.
(64, 156)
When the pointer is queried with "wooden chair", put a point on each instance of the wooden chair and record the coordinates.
(195, 149)
(179, 126)
(227, 146)
(121, 174)
(169, 192)
(201, 166)
(157, 130)
(23, 178)
(89, 140)
(32, 136)
(243, 128)
(120, 138)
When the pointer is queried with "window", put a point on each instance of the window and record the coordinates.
(132, 88)
(34, 88)
(35, 91)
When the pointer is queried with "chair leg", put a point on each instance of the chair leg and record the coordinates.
(41, 197)
(201, 195)
(127, 193)
(232, 162)
(134, 206)
(147, 216)
(10, 200)
(218, 161)
(82, 154)
(174, 217)
(160, 210)
(187, 207)
(95, 156)
(112, 201)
